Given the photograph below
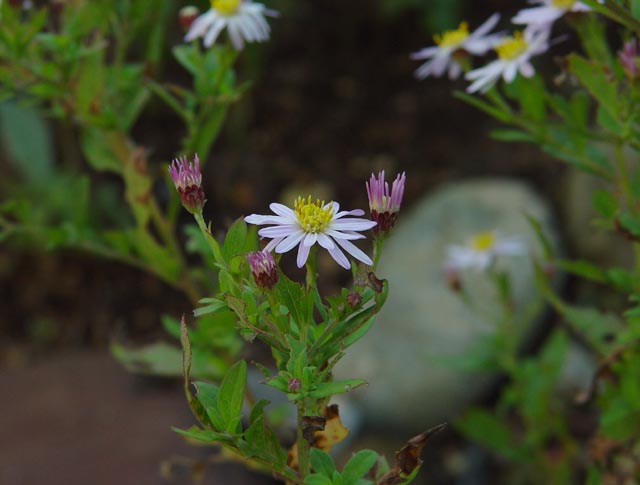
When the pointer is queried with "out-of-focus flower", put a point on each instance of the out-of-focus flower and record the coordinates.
(543, 16)
(481, 250)
(384, 204)
(354, 300)
(187, 15)
(628, 58)
(188, 181)
(453, 43)
(264, 269)
(244, 20)
(294, 385)
(310, 223)
(514, 55)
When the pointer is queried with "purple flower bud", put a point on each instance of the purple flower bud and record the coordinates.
(264, 269)
(294, 385)
(188, 181)
(354, 299)
(187, 15)
(628, 58)
(384, 204)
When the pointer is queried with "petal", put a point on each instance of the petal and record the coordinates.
(425, 53)
(325, 241)
(278, 231)
(354, 251)
(344, 235)
(354, 212)
(310, 239)
(216, 27)
(303, 254)
(282, 210)
(289, 242)
(488, 24)
(260, 220)
(352, 224)
(339, 257)
(200, 25)
(272, 244)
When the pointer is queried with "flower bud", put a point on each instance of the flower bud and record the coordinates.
(294, 385)
(187, 15)
(384, 205)
(188, 181)
(628, 58)
(264, 269)
(354, 299)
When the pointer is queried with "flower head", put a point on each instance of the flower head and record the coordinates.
(309, 223)
(543, 16)
(628, 58)
(514, 55)
(264, 269)
(188, 181)
(244, 20)
(384, 204)
(481, 250)
(450, 44)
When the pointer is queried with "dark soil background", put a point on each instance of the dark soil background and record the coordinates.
(334, 99)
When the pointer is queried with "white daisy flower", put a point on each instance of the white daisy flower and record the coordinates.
(244, 20)
(541, 17)
(481, 250)
(442, 56)
(314, 222)
(514, 54)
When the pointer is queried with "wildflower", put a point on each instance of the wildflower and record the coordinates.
(451, 45)
(244, 20)
(481, 250)
(187, 15)
(384, 205)
(264, 269)
(313, 222)
(188, 181)
(514, 54)
(542, 17)
(294, 385)
(628, 58)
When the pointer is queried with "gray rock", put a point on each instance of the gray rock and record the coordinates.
(424, 321)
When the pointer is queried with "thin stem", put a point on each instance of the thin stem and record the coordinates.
(623, 174)
(213, 244)
(304, 461)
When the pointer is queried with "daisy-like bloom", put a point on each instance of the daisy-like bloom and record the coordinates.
(244, 20)
(384, 205)
(264, 269)
(452, 44)
(541, 17)
(309, 223)
(481, 250)
(628, 58)
(514, 55)
(188, 182)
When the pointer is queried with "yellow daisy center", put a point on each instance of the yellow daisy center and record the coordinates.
(563, 4)
(512, 47)
(225, 7)
(451, 38)
(483, 241)
(312, 216)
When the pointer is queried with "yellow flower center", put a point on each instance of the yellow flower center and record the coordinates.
(225, 7)
(483, 241)
(563, 4)
(512, 47)
(452, 38)
(312, 216)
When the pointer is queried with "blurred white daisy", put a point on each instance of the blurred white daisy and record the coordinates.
(481, 250)
(244, 20)
(514, 54)
(314, 222)
(442, 57)
(547, 12)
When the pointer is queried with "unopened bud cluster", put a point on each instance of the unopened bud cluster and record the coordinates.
(384, 204)
(188, 182)
(264, 269)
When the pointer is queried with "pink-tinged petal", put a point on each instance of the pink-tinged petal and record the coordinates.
(310, 239)
(278, 231)
(425, 53)
(339, 257)
(326, 241)
(303, 254)
(344, 235)
(289, 242)
(272, 244)
(261, 220)
(354, 251)
(282, 210)
(352, 225)
(200, 24)
(354, 212)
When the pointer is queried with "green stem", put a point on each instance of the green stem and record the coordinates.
(211, 241)
(304, 460)
(377, 251)
(623, 174)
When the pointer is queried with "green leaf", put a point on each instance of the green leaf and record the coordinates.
(213, 306)
(296, 299)
(359, 465)
(511, 135)
(315, 479)
(27, 140)
(171, 325)
(489, 431)
(235, 240)
(231, 397)
(595, 78)
(582, 268)
(203, 435)
(476, 102)
(322, 463)
(547, 247)
(630, 222)
(328, 389)
(604, 203)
